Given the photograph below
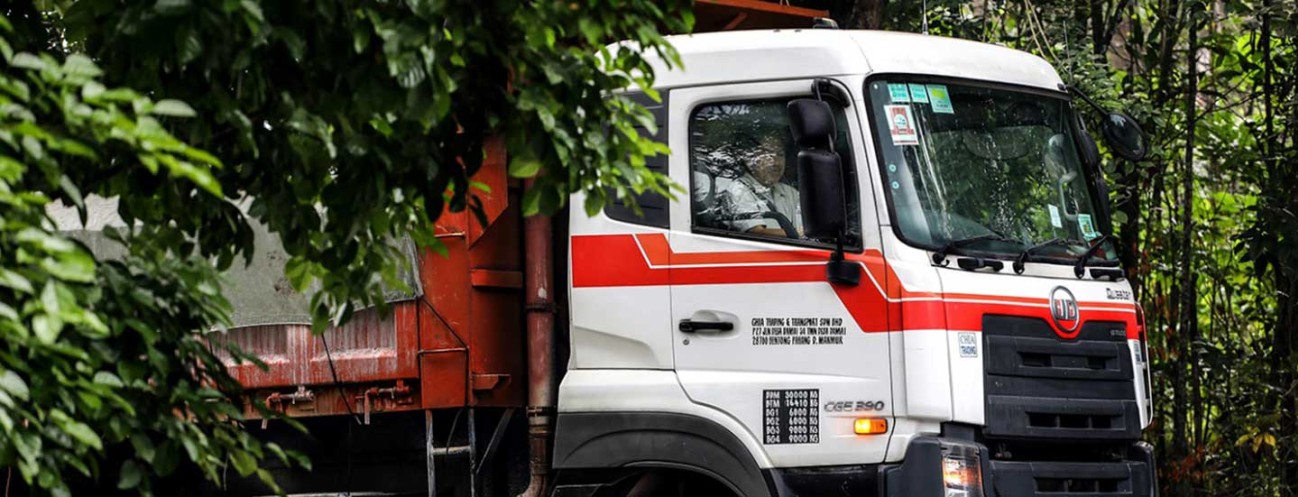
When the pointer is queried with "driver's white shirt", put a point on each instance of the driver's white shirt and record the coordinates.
(749, 196)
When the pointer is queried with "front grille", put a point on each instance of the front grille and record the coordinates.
(1116, 479)
(1040, 386)
(1078, 485)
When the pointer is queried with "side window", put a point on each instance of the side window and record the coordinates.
(744, 176)
(654, 208)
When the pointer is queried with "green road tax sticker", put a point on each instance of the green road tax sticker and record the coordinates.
(898, 92)
(941, 99)
(1087, 226)
(918, 93)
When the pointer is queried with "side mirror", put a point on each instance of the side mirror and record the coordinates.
(820, 183)
(820, 188)
(820, 169)
(1121, 132)
(1124, 136)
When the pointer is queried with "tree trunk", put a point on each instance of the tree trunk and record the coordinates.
(1187, 311)
(859, 14)
(1282, 171)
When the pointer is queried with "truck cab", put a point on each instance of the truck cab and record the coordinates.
(961, 329)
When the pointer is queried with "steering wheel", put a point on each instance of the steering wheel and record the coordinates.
(790, 230)
(786, 225)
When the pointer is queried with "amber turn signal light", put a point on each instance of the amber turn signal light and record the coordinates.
(870, 426)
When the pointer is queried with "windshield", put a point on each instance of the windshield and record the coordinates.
(962, 161)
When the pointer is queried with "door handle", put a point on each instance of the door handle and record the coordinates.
(688, 326)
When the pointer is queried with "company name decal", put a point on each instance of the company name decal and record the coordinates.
(798, 331)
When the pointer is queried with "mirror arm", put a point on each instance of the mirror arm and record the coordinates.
(1086, 98)
(838, 269)
(825, 88)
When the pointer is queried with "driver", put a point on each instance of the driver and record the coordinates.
(759, 191)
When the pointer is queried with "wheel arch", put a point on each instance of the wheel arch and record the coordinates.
(679, 442)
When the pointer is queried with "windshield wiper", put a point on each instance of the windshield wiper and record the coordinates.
(954, 245)
(1026, 253)
(1079, 268)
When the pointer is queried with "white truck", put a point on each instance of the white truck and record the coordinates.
(889, 277)
(947, 319)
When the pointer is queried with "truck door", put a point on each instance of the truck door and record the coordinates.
(759, 333)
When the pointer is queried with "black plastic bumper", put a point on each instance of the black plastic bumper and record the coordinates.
(921, 475)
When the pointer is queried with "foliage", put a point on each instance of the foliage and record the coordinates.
(1207, 222)
(351, 123)
(339, 125)
(100, 357)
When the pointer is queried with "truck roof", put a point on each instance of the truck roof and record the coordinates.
(735, 56)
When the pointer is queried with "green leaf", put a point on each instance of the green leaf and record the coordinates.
(108, 379)
(8, 313)
(47, 328)
(244, 463)
(190, 46)
(175, 108)
(82, 433)
(1119, 217)
(520, 167)
(167, 7)
(74, 266)
(80, 65)
(11, 279)
(166, 458)
(131, 475)
(595, 201)
(531, 202)
(144, 448)
(45, 241)
(253, 10)
(13, 384)
(24, 60)
(15, 87)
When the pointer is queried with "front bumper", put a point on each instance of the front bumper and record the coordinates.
(921, 475)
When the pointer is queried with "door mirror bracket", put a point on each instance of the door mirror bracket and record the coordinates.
(820, 182)
(1121, 132)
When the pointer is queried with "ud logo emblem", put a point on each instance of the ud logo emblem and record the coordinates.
(1064, 312)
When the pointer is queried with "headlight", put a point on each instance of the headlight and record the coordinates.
(962, 472)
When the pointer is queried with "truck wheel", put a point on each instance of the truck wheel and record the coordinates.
(664, 483)
(655, 484)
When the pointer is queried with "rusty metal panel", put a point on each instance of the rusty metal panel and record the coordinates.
(727, 15)
(474, 299)
(460, 343)
(493, 174)
(369, 348)
(442, 380)
(497, 358)
(493, 278)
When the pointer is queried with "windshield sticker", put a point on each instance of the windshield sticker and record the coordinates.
(941, 99)
(1054, 217)
(899, 93)
(901, 125)
(918, 93)
(1087, 227)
